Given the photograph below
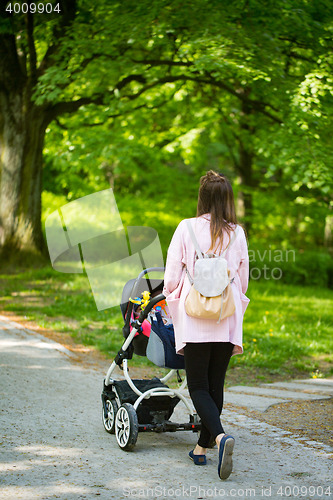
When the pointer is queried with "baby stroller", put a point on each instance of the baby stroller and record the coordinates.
(143, 405)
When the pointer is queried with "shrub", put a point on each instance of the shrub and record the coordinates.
(294, 267)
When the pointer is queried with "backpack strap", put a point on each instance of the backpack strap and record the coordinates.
(232, 239)
(189, 276)
(194, 240)
(198, 250)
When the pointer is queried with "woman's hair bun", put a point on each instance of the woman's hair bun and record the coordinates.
(212, 176)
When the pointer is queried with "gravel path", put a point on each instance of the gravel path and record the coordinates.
(53, 444)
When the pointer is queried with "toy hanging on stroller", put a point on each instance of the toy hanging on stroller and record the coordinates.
(143, 405)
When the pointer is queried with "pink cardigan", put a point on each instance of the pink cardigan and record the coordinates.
(181, 253)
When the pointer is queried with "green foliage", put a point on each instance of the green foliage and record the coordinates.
(286, 219)
(144, 97)
(167, 86)
(50, 203)
(291, 266)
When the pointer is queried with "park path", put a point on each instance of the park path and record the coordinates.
(262, 397)
(53, 444)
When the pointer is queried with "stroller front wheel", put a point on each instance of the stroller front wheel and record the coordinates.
(109, 410)
(126, 427)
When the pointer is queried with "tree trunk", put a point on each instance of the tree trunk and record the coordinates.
(245, 169)
(22, 130)
(328, 232)
(246, 156)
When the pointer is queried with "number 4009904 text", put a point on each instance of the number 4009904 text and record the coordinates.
(33, 8)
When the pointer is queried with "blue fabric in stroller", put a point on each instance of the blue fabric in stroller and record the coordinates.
(161, 349)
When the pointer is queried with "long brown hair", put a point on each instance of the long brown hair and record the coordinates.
(217, 198)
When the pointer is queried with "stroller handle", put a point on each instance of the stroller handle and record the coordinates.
(149, 306)
(145, 271)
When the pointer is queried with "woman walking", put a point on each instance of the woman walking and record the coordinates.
(207, 345)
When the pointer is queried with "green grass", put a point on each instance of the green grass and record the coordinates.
(61, 302)
(288, 330)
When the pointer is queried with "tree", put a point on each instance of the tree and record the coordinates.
(247, 58)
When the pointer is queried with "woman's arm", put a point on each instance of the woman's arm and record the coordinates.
(243, 269)
(174, 264)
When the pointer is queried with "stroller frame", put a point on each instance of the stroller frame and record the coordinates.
(133, 406)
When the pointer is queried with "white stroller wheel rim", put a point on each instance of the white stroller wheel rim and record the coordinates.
(123, 427)
(126, 426)
(109, 411)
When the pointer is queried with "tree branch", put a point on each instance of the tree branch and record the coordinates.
(294, 41)
(126, 112)
(159, 62)
(67, 17)
(294, 55)
(255, 104)
(99, 99)
(64, 107)
(128, 79)
(31, 47)
(60, 125)
(11, 72)
(61, 108)
(226, 139)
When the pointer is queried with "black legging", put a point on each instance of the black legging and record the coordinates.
(206, 364)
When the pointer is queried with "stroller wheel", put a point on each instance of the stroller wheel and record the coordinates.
(109, 410)
(126, 427)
